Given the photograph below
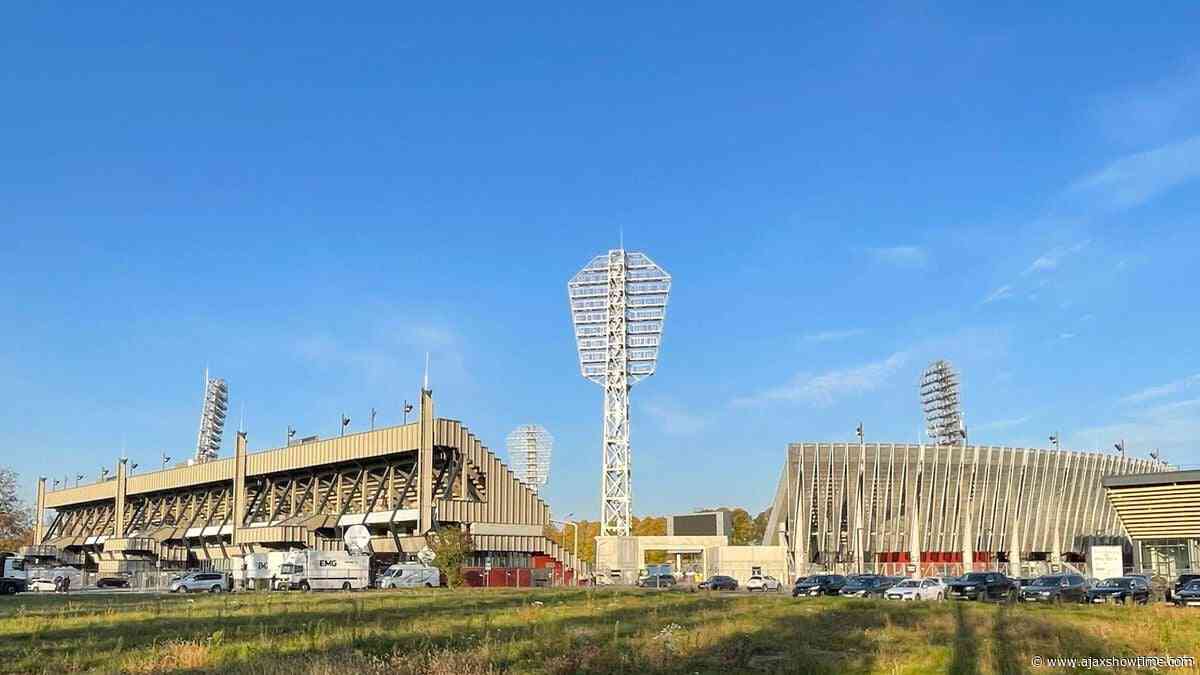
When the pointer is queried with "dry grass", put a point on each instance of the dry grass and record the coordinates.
(477, 631)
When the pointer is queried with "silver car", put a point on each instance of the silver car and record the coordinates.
(203, 582)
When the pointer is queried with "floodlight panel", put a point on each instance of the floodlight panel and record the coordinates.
(647, 287)
(529, 450)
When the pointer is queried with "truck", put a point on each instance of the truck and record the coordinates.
(254, 571)
(13, 576)
(324, 570)
(410, 575)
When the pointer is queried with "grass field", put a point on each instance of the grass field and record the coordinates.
(564, 631)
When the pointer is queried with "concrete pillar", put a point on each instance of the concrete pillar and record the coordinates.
(239, 487)
(119, 499)
(968, 538)
(39, 527)
(425, 463)
(1014, 550)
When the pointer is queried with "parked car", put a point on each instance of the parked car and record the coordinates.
(819, 584)
(43, 586)
(657, 581)
(1123, 590)
(113, 581)
(211, 582)
(1180, 582)
(917, 589)
(761, 582)
(1188, 596)
(982, 586)
(720, 583)
(1056, 588)
(867, 586)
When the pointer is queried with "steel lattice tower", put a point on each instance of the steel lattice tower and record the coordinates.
(529, 448)
(939, 398)
(618, 305)
(212, 418)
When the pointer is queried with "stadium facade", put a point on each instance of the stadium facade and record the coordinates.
(902, 508)
(401, 482)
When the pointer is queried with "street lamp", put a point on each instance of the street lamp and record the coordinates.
(407, 409)
(78, 477)
(165, 458)
(345, 423)
(290, 433)
(1120, 448)
(1054, 441)
(132, 467)
(372, 419)
(575, 539)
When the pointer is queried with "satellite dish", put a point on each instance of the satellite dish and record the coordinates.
(357, 538)
(426, 555)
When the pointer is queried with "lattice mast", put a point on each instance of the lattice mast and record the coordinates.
(618, 306)
(529, 449)
(940, 400)
(212, 418)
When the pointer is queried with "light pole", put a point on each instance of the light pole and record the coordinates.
(1054, 441)
(133, 467)
(372, 419)
(291, 432)
(345, 423)
(78, 477)
(859, 554)
(1120, 447)
(1056, 553)
(575, 539)
(407, 409)
(165, 458)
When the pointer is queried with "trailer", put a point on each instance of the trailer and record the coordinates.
(324, 570)
(14, 578)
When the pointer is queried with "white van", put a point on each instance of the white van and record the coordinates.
(410, 575)
(324, 570)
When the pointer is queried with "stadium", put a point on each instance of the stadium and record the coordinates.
(401, 482)
(898, 508)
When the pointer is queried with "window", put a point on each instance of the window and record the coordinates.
(756, 571)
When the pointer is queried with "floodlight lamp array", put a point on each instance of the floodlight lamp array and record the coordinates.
(529, 449)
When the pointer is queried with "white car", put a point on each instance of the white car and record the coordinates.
(42, 586)
(917, 589)
(763, 583)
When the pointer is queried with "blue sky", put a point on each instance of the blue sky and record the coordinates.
(309, 199)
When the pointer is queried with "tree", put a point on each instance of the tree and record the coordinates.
(453, 545)
(760, 526)
(16, 520)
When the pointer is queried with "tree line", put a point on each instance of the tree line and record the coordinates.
(747, 531)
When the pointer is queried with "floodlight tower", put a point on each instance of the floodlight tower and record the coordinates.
(212, 418)
(529, 448)
(618, 305)
(939, 397)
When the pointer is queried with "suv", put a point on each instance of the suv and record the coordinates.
(657, 581)
(1056, 588)
(819, 584)
(761, 582)
(982, 586)
(212, 582)
(1180, 582)
(720, 583)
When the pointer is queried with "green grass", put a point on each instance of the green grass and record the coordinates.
(481, 631)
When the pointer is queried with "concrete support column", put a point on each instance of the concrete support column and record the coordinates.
(39, 513)
(239, 487)
(425, 464)
(119, 499)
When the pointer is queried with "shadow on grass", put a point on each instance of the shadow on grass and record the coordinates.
(965, 660)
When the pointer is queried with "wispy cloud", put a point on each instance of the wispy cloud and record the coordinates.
(1136, 179)
(833, 335)
(1000, 293)
(1066, 336)
(1049, 261)
(1154, 111)
(1162, 390)
(673, 418)
(1172, 427)
(901, 256)
(825, 388)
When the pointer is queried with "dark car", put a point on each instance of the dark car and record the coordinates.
(720, 583)
(867, 586)
(1123, 590)
(112, 582)
(1188, 596)
(1056, 588)
(657, 581)
(1023, 581)
(819, 584)
(1180, 582)
(982, 586)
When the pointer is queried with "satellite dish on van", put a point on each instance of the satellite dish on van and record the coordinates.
(426, 555)
(357, 538)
